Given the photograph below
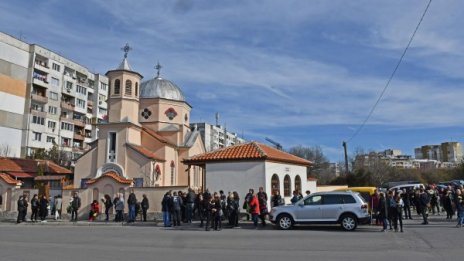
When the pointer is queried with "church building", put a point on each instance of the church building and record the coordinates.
(146, 138)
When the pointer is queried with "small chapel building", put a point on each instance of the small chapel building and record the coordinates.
(145, 139)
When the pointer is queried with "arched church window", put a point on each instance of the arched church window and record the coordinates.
(128, 88)
(275, 183)
(287, 186)
(136, 89)
(298, 183)
(117, 87)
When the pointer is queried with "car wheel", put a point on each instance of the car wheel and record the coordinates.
(284, 222)
(348, 222)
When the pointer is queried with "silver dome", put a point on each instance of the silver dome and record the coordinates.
(161, 88)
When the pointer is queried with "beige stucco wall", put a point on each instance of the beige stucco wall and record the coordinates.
(331, 188)
(86, 166)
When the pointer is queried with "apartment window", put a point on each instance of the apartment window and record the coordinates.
(55, 81)
(102, 110)
(66, 142)
(81, 89)
(67, 126)
(38, 120)
(128, 88)
(69, 86)
(80, 103)
(36, 107)
(101, 98)
(52, 125)
(56, 67)
(50, 139)
(103, 86)
(117, 87)
(52, 110)
(37, 136)
(54, 96)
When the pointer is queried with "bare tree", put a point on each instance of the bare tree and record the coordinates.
(320, 168)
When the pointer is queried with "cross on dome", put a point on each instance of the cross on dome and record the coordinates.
(158, 69)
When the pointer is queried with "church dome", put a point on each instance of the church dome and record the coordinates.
(161, 88)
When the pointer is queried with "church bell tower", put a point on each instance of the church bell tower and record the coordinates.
(123, 100)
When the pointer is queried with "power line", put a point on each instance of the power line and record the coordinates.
(391, 76)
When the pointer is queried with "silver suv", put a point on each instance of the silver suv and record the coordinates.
(345, 208)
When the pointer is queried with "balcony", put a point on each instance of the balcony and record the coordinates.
(66, 119)
(39, 98)
(78, 136)
(79, 123)
(41, 65)
(89, 103)
(39, 113)
(67, 106)
(40, 79)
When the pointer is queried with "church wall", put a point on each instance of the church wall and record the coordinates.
(134, 136)
(86, 166)
(138, 166)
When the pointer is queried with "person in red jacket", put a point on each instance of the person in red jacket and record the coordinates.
(94, 210)
(254, 208)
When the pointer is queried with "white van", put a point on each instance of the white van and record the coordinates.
(407, 187)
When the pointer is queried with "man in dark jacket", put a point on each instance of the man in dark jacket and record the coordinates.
(166, 209)
(22, 206)
(176, 209)
(190, 198)
(424, 202)
(131, 202)
(34, 208)
(145, 205)
(75, 206)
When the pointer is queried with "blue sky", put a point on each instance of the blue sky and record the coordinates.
(299, 72)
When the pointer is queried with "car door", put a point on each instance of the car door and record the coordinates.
(332, 207)
(309, 209)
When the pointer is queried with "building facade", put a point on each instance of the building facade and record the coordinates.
(51, 100)
(216, 136)
(445, 152)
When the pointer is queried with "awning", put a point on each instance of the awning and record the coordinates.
(47, 178)
(22, 175)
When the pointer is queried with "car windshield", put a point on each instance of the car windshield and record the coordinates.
(313, 200)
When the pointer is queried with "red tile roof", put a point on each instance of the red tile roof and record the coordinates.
(145, 152)
(112, 175)
(248, 151)
(31, 166)
(8, 179)
(23, 175)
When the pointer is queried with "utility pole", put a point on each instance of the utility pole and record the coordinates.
(346, 158)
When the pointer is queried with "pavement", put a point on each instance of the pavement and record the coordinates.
(440, 240)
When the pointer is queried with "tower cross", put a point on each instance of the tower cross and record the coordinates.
(126, 49)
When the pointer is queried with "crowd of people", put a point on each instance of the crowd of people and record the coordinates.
(41, 207)
(392, 207)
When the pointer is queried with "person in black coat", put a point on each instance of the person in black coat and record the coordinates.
(108, 205)
(233, 208)
(22, 206)
(383, 211)
(405, 196)
(34, 208)
(43, 210)
(144, 205)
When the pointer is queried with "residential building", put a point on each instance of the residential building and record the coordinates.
(216, 136)
(445, 152)
(49, 99)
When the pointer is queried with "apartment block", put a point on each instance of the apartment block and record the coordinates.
(445, 152)
(57, 101)
(216, 136)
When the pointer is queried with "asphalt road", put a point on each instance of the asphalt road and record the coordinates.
(438, 241)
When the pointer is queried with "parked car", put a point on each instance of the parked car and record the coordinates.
(407, 187)
(365, 192)
(345, 208)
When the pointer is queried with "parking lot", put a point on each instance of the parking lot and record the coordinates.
(438, 241)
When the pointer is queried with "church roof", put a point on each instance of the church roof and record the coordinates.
(248, 151)
(124, 65)
(112, 175)
(157, 136)
(145, 152)
(161, 88)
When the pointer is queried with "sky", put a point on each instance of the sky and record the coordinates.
(299, 72)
